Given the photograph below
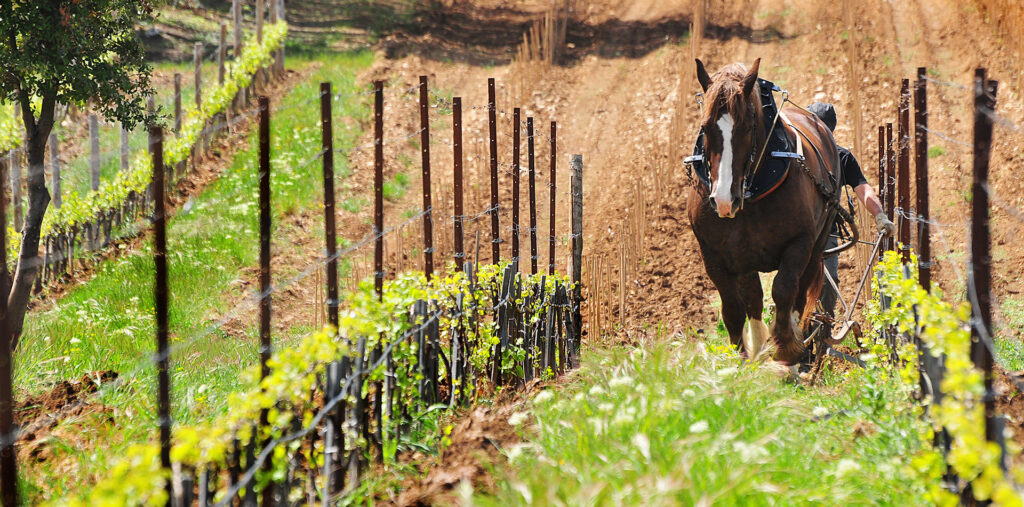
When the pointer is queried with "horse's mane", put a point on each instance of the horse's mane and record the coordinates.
(726, 92)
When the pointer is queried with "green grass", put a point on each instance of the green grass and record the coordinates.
(679, 423)
(108, 322)
(1009, 346)
(187, 20)
(936, 151)
(395, 188)
(354, 204)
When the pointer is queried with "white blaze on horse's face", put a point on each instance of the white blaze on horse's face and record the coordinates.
(722, 188)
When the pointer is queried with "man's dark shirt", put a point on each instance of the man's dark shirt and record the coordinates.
(852, 174)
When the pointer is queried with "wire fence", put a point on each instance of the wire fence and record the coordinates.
(365, 399)
(975, 272)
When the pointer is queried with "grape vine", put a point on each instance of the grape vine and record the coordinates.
(464, 306)
(945, 330)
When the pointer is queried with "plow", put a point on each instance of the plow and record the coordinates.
(820, 323)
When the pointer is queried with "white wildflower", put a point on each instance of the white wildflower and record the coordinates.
(749, 452)
(699, 426)
(767, 487)
(605, 407)
(520, 488)
(623, 419)
(75, 340)
(596, 391)
(464, 491)
(623, 381)
(820, 412)
(543, 397)
(517, 450)
(689, 393)
(664, 485)
(518, 418)
(643, 444)
(846, 467)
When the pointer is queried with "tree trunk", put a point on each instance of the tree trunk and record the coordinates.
(28, 259)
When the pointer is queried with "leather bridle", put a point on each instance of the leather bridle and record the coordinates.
(751, 167)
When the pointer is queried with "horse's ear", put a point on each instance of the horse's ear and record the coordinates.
(751, 78)
(702, 75)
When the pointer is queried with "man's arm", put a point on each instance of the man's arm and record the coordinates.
(867, 195)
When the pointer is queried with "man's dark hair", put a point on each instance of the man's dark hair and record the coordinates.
(825, 112)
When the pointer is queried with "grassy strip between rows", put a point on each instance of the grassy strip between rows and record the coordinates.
(75, 173)
(679, 422)
(12, 130)
(107, 323)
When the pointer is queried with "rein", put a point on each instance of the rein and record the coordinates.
(748, 173)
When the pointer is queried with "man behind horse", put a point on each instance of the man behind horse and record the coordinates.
(854, 178)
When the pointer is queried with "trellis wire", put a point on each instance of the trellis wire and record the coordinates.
(978, 273)
(555, 356)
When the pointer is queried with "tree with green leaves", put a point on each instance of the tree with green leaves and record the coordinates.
(65, 52)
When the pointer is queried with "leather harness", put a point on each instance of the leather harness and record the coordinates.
(830, 195)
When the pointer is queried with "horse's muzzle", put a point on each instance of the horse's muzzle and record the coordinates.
(725, 209)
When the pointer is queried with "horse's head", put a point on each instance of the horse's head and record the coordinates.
(730, 121)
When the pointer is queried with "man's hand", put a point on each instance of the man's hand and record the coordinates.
(885, 226)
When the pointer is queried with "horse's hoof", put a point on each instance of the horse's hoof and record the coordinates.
(785, 371)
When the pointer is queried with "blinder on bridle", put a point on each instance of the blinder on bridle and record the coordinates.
(704, 175)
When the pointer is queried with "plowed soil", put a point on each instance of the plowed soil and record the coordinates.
(625, 75)
(617, 91)
(1010, 403)
(39, 415)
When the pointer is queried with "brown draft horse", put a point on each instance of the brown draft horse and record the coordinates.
(779, 232)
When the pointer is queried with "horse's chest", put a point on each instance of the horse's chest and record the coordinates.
(751, 249)
(742, 247)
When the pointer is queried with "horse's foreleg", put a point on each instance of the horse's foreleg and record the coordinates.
(755, 334)
(785, 289)
(733, 308)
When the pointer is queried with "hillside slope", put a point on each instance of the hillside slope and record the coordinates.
(618, 90)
